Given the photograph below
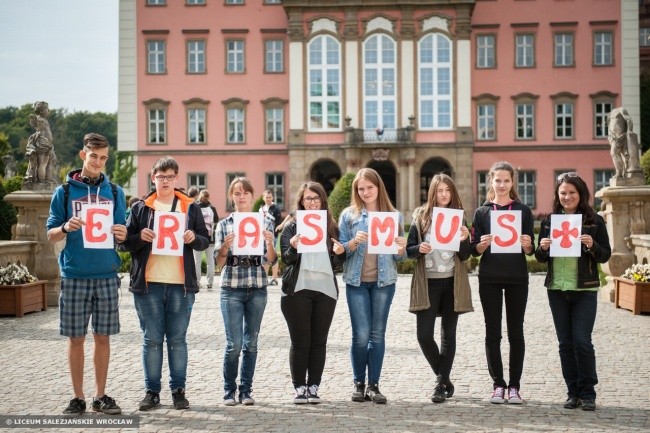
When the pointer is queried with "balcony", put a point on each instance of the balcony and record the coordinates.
(396, 136)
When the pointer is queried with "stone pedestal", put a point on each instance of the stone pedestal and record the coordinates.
(626, 212)
(33, 210)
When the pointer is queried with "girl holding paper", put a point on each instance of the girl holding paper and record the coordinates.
(440, 285)
(369, 282)
(573, 284)
(503, 275)
(309, 295)
(243, 294)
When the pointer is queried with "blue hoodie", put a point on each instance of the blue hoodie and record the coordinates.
(76, 261)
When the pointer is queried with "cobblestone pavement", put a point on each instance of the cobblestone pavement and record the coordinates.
(34, 377)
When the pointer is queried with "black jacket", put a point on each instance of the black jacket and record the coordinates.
(291, 258)
(510, 268)
(142, 217)
(599, 252)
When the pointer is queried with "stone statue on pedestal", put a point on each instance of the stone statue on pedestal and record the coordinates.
(624, 144)
(40, 151)
(10, 166)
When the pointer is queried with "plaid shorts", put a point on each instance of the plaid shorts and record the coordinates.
(79, 299)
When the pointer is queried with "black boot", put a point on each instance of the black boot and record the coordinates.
(450, 388)
(439, 393)
(359, 390)
(373, 393)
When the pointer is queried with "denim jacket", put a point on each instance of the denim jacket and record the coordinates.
(349, 225)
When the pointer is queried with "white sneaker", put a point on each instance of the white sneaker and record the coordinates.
(301, 395)
(229, 399)
(513, 396)
(498, 395)
(312, 394)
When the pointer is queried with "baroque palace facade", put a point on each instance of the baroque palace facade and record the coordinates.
(284, 91)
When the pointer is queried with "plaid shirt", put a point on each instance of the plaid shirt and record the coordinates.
(240, 277)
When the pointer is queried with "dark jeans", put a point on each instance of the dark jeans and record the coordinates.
(441, 299)
(309, 315)
(574, 314)
(516, 297)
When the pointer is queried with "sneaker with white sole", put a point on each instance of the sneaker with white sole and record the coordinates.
(498, 395)
(245, 398)
(229, 399)
(301, 395)
(513, 396)
(312, 394)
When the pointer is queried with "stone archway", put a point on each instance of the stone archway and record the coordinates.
(388, 174)
(326, 172)
(430, 168)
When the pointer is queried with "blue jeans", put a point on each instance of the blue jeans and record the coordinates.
(164, 312)
(369, 306)
(574, 314)
(242, 311)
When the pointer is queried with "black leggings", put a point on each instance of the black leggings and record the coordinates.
(441, 299)
(309, 315)
(516, 296)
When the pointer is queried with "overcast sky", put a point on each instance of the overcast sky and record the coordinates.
(64, 52)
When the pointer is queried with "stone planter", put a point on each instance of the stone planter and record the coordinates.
(23, 298)
(632, 295)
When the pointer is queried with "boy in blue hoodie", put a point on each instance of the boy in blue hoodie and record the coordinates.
(89, 280)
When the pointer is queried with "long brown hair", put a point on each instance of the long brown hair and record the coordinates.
(332, 227)
(383, 201)
(505, 166)
(424, 212)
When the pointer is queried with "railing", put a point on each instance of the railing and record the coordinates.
(397, 135)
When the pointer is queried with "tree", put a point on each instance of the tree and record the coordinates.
(124, 169)
(341, 195)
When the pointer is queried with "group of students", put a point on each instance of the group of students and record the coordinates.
(164, 287)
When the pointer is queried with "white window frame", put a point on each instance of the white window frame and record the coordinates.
(436, 105)
(199, 180)
(324, 63)
(525, 50)
(481, 187)
(526, 187)
(485, 51)
(156, 2)
(563, 47)
(274, 121)
(234, 2)
(644, 36)
(564, 116)
(236, 121)
(524, 121)
(380, 92)
(156, 56)
(601, 110)
(601, 180)
(196, 125)
(603, 48)
(275, 182)
(274, 56)
(486, 121)
(235, 56)
(157, 125)
(196, 56)
(195, 2)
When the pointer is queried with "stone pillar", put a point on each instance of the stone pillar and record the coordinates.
(33, 210)
(626, 212)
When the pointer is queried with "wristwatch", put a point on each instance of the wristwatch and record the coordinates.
(63, 229)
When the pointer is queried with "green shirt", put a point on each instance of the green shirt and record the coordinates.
(565, 275)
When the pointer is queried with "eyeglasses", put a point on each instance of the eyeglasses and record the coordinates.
(311, 199)
(168, 178)
(561, 177)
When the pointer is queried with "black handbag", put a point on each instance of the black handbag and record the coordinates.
(290, 276)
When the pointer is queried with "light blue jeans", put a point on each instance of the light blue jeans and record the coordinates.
(209, 258)
(369, 306)
(164, 312)
(242, 311)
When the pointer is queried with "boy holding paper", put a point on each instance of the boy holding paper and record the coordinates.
(164, 230)
(89, 281)
(573, 284)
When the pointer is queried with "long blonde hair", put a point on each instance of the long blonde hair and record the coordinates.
(383, 201)
(424, 212)
(505, 166)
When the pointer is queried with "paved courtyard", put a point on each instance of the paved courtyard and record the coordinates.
(34, 378)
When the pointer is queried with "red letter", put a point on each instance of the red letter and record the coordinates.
(92, 224)
(455, 223)
(243, 234)
(168, 225)
(565, 234)
(382, 226)
(501, 221)
(319, 232)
